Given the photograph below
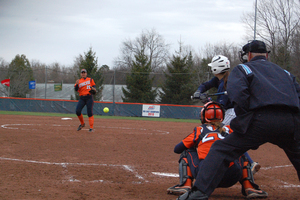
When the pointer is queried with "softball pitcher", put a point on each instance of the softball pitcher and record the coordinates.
(86, 87)
(195, 147)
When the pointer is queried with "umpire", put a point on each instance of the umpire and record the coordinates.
(266, 102)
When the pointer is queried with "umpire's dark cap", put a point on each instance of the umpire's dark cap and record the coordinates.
(83, 70)
(255, 46)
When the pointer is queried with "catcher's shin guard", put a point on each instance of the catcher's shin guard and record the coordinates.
(185, 174)
(247, 180)
(249, 188)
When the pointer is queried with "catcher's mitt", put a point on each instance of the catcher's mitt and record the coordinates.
(92, 91)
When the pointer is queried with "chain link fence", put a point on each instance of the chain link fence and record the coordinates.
(114, 81)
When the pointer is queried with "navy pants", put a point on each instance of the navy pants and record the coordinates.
(232, 175)
(85, 100)
(276, 126)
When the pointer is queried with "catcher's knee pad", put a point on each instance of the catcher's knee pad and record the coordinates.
(183, 169)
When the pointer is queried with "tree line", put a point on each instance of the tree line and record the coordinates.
(154, 75)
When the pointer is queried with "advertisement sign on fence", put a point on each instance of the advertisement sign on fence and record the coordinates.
(58, 87)
(31, 84)
(151, 111)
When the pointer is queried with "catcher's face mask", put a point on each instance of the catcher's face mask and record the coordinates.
(212, 112)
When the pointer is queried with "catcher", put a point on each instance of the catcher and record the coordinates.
(194, 148)
(86, 88)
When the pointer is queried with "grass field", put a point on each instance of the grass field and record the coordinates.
(98, 116)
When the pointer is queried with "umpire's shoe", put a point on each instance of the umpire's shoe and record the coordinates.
(80, 127)
(178, 189)
(194, 194)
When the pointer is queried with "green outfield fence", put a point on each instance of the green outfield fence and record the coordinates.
(116, 109)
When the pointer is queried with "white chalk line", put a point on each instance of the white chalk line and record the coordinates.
(165, 174)
(130, 169)
(12, 126)
(127, 167)
(275, 167)
(285, 184)
(70, 177)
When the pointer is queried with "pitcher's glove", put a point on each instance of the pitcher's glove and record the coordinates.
(92, 92)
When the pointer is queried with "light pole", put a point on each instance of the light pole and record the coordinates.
(255, 19)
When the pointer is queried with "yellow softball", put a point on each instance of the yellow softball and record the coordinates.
(106, 109)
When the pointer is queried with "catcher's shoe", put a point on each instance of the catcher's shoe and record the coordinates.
(252, 193)
(178, 190)
(80, 127)
(91, 130)
(194, 194)
(255, 167)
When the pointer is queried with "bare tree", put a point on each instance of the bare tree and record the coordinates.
(3, 75)
(149, 42)
(277, 21)
(38, 71)
(55, 73)
(3, 69)
(295, 54)
(69, 74)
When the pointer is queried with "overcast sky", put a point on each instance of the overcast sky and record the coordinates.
(59, 30)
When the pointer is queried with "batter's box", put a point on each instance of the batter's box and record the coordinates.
(103, 173)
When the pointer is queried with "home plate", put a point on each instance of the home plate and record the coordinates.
(165, 174)
(66, 118)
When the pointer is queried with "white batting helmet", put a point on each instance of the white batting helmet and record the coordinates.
(219, 64)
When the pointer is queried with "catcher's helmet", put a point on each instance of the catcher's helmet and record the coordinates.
(219, 64)
(212, 112)
(255, 46)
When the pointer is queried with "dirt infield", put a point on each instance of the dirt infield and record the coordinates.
(46, 158)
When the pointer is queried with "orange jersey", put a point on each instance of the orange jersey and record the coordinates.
(85, 85)
(203, 137)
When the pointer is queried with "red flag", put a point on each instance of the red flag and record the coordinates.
(6, 82)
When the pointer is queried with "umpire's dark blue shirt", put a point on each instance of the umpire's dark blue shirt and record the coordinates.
(261, 83)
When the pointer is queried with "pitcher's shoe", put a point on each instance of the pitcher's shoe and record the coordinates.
(194, 194)
(255, 167)
(252, 193)
(178, 190)
(80, 127)
(91, 130)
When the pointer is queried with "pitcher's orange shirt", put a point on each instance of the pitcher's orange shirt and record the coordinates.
(85, 85)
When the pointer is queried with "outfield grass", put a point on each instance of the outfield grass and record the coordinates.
(99, 116)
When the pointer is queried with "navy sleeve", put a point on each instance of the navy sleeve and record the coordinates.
(209, 84)
(179, 148)
(94, 86)
(76, 87)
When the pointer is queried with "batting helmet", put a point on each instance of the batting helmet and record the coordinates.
(212, 112)
(219, 64)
